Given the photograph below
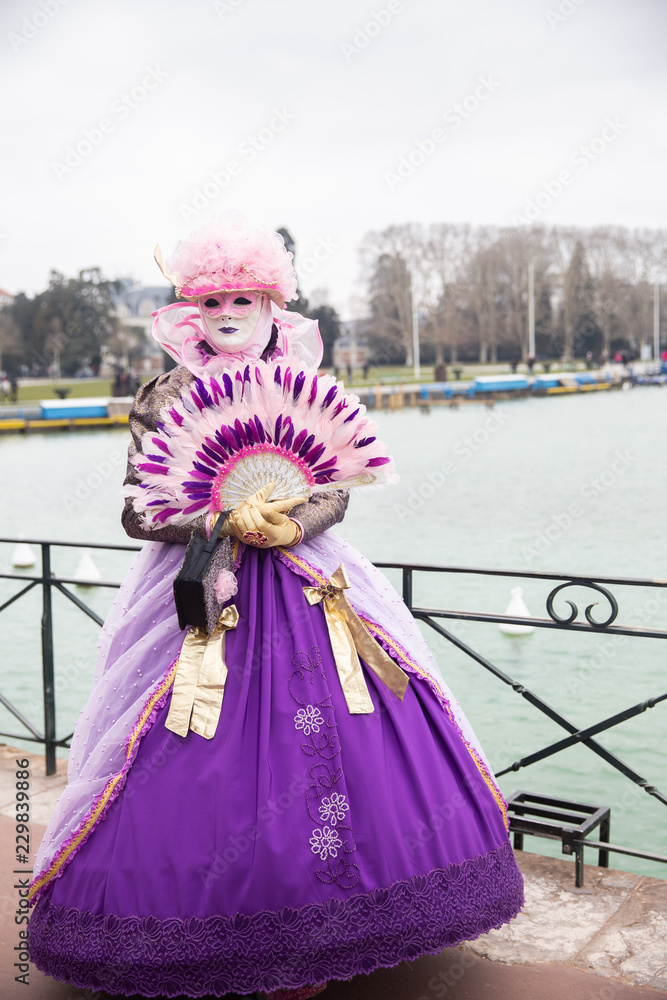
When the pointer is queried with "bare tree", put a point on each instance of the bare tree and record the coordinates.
(445, 252)
(608, 251)
(648, 257)
(484, 282)
(385, 258)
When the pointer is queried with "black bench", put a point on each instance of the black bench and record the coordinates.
(559, 819)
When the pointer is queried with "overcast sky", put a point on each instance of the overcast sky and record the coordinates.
(115, 114)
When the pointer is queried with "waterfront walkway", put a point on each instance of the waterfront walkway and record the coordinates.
(605, 942)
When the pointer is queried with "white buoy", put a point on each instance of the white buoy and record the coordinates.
(517, 609)
(87, 570)
(23, 557)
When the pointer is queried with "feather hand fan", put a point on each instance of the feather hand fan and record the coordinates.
(273, 421)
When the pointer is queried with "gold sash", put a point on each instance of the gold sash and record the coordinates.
(199, 685)
(349, 639)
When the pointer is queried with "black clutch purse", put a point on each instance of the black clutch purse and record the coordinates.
(189, 581)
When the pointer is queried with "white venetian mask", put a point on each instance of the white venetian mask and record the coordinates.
(230, 318)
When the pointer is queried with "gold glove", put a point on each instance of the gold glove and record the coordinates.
(264, 523)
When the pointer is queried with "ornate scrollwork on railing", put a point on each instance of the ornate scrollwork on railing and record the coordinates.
(575, 610)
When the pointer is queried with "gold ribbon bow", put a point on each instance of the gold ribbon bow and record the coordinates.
(350, 639)
(199, 685)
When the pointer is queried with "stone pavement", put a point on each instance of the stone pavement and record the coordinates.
(607, 942)
(616, 926)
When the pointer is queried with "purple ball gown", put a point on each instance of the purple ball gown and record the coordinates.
(302, 843)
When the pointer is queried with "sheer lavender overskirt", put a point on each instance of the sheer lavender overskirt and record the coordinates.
(143, 616)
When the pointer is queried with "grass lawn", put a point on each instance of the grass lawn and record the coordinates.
(77, 388)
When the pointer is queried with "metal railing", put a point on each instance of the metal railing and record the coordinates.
(586, 737)
(49, 582)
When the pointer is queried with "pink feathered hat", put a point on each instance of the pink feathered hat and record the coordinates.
(231, 255)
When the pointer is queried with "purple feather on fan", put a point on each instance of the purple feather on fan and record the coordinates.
(298, 385)
(250, 433)
(288, 437)
(314, 454)
(216, 391)
(330, 396)
(159, 470)
(213, 450)
(203, 468)
(306, 446)
(162, 445)
(259, 430)
(325, 465)
(299, 439)
(238, 427)
(203, 393)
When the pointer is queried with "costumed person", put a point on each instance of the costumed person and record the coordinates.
(288, 794)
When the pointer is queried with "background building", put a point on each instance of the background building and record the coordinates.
(133, 346)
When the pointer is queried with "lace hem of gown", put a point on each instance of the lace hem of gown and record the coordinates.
(272, 949)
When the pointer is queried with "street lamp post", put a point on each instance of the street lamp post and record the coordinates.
(415, 326)
(531, 310)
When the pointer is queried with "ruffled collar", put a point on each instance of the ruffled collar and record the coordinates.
(179, 331)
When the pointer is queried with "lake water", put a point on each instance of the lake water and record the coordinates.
(571, 485)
